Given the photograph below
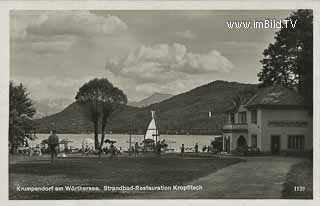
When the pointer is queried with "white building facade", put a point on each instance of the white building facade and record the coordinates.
(274, 120)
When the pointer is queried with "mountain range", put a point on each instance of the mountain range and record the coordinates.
(154, 98)
(45, 107)
(185, 113)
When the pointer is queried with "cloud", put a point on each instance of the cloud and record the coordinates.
(51, 46)
(51, 86)
(186, 34)
(57, 64)
(167, 69)
(163, 63)
(75, 23)
(57, 31)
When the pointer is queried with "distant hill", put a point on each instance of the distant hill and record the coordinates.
(47, 107)
(154, 98)
(181, 114)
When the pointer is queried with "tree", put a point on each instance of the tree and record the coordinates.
(21, 112)
(100, 99)
(242, 97)
(289, 60)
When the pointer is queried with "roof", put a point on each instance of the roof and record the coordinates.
(276, 96)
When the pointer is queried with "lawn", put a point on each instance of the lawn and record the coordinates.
(300, 175)
(88, 171)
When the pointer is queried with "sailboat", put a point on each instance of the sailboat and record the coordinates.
(152, 136)
(152, 132)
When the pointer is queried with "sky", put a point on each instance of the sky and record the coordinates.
(53, 53)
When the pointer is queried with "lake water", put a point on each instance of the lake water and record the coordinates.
(173, 141)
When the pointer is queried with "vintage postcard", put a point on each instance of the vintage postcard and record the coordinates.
(160, 104)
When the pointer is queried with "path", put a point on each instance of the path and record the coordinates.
(258, 177)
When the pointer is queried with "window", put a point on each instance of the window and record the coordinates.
(226, 120)
(295, 142)
(254, 140)
(242, 117)
(232, 118)
(254, 116)
(229, 119)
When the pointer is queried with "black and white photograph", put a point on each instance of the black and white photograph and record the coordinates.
(160, 104)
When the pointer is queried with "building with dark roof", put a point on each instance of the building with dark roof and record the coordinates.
(274, 120)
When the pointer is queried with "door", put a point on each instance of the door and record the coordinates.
(275, 144)
(227, 144)
(241, 143)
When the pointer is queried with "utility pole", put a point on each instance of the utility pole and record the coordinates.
(211, 114)
(130, 137)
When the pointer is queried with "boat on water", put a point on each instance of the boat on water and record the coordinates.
(152, 134)
(152, 137)
(152, 131)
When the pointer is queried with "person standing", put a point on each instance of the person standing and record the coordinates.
(182, 150)
(53, 142)
(158, 148)
(112, 150)
(196, 148)
(136, 147)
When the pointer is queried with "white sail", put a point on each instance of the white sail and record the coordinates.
(152, 128)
